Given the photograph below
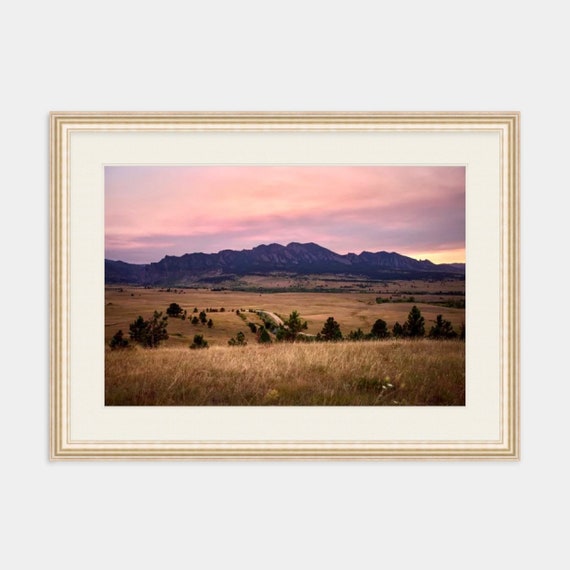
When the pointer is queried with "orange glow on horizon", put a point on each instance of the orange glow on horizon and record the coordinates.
(447, 256)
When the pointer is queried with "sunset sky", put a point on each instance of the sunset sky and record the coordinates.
(153, 211)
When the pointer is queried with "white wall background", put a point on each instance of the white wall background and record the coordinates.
(112, 55)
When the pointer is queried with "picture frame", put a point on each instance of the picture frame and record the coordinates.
(83, 428)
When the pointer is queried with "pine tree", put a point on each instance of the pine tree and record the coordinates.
(398, 330)
(137, 330)
(118, 341)
(331, 330)
(442, 329)
(358, 334)
(379, 329)
(149, 333)
(291, 327)
(414, 327)
(156, 331)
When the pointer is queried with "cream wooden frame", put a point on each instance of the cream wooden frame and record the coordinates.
(507, 124)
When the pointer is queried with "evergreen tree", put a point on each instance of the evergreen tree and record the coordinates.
(358, 334)
(203, 317)
(118, 341)
(156, 331)
(149, 333)
(195, 320)
(138, 330)
(291, 327)
(398, 330)
(379, 329)
(414, 327)
(210, 323)
(442, 329)
(331, 330)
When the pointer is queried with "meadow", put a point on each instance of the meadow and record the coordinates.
(351, 310)
(377, 372)
(392, 372)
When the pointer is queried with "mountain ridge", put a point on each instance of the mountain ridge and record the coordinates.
(295, 257)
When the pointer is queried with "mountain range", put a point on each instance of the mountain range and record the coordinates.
(295, 258)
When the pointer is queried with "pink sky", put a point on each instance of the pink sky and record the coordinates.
(153, 211)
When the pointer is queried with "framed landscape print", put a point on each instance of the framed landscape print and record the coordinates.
(284, 285)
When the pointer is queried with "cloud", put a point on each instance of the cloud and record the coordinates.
(154, 211)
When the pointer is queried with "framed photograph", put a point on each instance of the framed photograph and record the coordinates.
(284, 286)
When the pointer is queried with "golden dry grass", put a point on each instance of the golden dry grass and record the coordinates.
(394, 372)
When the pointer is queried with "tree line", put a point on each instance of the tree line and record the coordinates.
(413, 327)
(150, 333)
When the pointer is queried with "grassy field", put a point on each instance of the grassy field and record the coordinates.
(392, 372)
(351, 311)
(389, 372)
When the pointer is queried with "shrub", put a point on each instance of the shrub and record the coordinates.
(174, 310)
(252, 327)
(210, 323)
(358, 334)
(263, 336)
(239, 340)
(118, 341)
(195, 320)
(199, 342)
